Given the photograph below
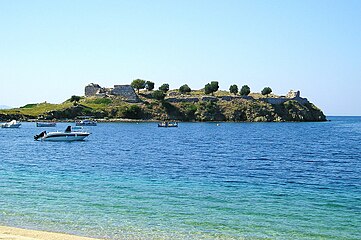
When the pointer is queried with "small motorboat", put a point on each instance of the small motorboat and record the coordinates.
(168, 124)
(12, 124)
(68, 135)
(46, 124)
(86, 123)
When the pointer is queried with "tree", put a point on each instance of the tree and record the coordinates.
(185, 89)
(149, 85)
(138, 84)
(266, 91)
(164, 88)
(158, 94)
(215, 86)
(208, 89)
(245, 90)
(233, 89)
(211, 87)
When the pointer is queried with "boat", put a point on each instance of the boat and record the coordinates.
(168, 124)
(68, 135)
(12, 124)
(86, 123)
(46, 124)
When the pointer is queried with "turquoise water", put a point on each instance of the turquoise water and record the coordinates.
(198, 181)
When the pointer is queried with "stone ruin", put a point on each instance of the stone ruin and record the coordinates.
(291, 95)
(126, 92)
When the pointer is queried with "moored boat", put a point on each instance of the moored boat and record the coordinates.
(86, 123)
(12, 124)
(68, 135)
(168, 124)
(46, 124)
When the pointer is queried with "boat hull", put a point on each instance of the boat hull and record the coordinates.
(67, 137)
(38, 124)
(85, 124)
(166, 125)
(11, 126)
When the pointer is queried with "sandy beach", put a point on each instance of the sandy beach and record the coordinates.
(11, 233)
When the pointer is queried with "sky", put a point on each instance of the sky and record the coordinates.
(50, 50)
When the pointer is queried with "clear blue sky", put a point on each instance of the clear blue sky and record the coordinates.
(49, 50)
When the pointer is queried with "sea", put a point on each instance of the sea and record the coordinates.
(197, 181)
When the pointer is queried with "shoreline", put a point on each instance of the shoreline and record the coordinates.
(125, 120)
(13, 233)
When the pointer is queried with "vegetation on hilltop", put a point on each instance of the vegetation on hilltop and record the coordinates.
(232, 105)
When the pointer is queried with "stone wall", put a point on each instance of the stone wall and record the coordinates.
(124, 91)
(291, 95)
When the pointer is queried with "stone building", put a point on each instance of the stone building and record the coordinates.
(92, 89)
(124, 91)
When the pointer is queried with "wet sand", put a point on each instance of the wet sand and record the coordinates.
(10, 233)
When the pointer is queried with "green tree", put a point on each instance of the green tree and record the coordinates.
(245, 90)
(185, 89)
(233, 89)
(215, 86)
(158, 94)
(211, 87)
(208, 89)
(149, 85)
(138, 84)
(266, 91)
(164, 87)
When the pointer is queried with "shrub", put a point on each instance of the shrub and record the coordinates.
(132, 112)
(105, 101)
(158, 94)
(74, 98)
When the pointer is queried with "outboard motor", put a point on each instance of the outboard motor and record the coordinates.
(68, 129)
(40, 135)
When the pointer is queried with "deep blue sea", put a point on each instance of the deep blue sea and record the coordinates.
(197, 181)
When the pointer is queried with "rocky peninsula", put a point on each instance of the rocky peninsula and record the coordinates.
(123, 103)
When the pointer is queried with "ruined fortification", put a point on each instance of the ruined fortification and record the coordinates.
(291, 95)
(126, 92)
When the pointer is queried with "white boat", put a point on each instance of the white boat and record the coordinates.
(12, 124)
(46, 124)
(86, 123)
(68, 135)
(168, 124)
